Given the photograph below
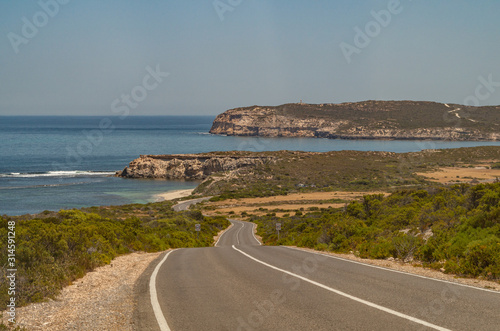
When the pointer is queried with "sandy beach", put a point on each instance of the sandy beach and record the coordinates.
(174, 195)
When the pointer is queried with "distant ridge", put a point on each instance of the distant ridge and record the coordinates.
(364, 120)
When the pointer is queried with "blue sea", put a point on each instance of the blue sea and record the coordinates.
(52, 163)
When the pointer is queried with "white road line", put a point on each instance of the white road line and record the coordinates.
(368, 303)
(253, 233)
(237, 233)
(397, 271)
(162, 322)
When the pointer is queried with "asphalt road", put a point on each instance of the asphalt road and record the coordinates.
(241, 285)
(184, 205)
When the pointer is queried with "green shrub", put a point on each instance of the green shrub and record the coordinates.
(380, 249)
(482, 258)
(55, 250)
(464, 219)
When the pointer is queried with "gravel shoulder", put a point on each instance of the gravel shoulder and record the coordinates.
(101, 300)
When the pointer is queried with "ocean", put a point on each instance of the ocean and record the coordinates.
(57, 162)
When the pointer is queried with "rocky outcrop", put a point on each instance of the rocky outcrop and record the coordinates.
(189, 166)
(363, 120)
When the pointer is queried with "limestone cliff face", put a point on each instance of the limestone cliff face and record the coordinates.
(363, 120)
(187, 166)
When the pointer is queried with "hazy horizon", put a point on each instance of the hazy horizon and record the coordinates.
(180, 115)
(68, 58)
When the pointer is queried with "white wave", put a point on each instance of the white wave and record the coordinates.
(73, 173)
(38, 186)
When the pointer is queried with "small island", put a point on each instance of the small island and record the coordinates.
(401, 120)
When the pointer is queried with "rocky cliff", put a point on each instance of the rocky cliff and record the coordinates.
(189, 166)
(363, 120)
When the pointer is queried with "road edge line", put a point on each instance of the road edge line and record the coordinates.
(223, 233)
(238, 233)
(254, 228)
(368, 303)
(389, 269)
(160, 318)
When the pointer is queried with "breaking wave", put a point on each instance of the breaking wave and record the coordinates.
(58, 174)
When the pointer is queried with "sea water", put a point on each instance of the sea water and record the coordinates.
(52, 163)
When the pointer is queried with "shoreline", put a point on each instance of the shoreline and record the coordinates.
(364, 138)
(171, 195)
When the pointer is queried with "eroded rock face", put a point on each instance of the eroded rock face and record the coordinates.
(363, 120)
(187, 166)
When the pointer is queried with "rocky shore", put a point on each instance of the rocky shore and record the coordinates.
(189, 166)
(405, 120)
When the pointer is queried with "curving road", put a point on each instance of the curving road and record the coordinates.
(241, 285)
(184, 205)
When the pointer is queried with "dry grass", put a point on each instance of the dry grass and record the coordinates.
(291, 207)
(463, 175)
(310, 196)
(286, 203)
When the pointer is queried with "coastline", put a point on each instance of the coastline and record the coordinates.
(173, 195)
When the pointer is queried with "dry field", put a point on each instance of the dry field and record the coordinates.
(287, 203)
(462, 175)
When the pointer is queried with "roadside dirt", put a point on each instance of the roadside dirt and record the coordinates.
(102, 300)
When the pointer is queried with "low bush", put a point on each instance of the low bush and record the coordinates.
(54, 249)
(463, 222)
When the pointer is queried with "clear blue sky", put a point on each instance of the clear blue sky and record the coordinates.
(263, 52)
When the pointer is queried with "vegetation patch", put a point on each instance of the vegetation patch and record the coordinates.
(298, 172)
(54, 249)
(456, 228)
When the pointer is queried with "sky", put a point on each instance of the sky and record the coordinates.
(202, 57)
